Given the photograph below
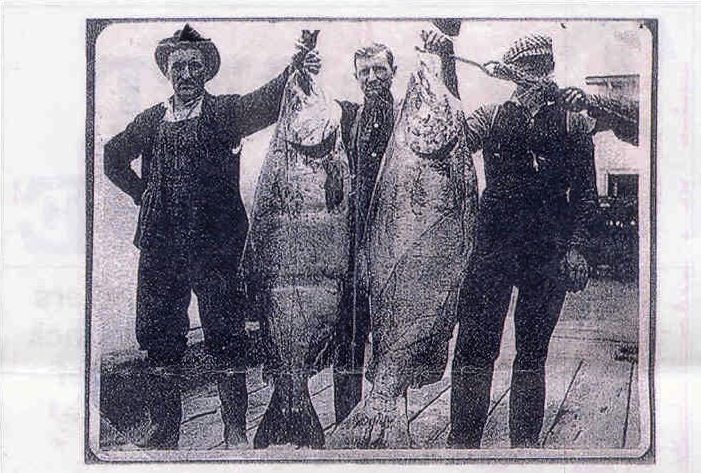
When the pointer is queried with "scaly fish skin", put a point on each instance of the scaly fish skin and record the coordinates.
(297, 255)
(420, 238)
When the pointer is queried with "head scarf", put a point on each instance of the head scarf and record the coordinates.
(513, 66)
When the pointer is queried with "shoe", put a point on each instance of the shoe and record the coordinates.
(164, 410)
(461, 444)
(235, 439)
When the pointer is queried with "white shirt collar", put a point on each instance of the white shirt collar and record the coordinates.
(193, 111)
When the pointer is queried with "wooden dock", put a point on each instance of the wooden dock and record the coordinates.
(592, 390)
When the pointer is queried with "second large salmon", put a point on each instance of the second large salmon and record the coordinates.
(420, 237)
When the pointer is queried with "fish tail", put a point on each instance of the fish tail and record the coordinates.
(374, 423)
(274, 428)
(290, 417)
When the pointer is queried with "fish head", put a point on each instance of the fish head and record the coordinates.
(308, 119)
(432, 115)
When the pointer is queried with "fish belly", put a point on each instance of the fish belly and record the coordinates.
(298, 246)
(421, 238)
(418, 255)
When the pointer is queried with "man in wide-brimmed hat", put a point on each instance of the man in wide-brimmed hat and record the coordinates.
(539, 198)
(192, 222)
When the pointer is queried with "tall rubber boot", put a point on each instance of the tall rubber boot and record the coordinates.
(233, 395)
(165, 410)
(526, 407)
(469, 405)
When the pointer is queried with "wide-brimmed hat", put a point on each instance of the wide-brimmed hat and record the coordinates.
(188, 38)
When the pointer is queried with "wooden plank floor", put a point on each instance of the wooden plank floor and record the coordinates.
(592, 398)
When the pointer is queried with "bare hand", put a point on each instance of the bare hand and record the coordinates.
(575, 99)
(576, 269)
(436, 43)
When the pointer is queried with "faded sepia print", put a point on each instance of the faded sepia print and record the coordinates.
(370, 239)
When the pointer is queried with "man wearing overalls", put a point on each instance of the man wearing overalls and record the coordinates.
(192, 224)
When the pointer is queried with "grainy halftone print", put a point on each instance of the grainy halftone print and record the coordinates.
(362, 240)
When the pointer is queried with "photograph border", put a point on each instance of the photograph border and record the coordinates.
(95, 26)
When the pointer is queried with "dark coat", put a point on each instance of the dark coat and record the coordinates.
(220, 222)
(365, 146)
(540, 194)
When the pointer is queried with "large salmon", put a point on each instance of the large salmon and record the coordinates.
(297, 255)
(420, 237)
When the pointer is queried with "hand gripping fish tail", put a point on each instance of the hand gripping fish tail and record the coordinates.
(297, 255)
(420, 239)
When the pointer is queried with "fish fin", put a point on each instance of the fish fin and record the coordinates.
(316, 151)
(442, 152)
(333, 186)
(290, 418)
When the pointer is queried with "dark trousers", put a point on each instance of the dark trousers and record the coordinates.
(165, 284)
(165, 281)
(482, 309)
(351, 335)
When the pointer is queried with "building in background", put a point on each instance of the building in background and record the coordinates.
(615, 245)
(623, 85)
(618, 163)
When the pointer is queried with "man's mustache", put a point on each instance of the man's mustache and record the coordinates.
(380, 88)
(377, 85)
(187, 83)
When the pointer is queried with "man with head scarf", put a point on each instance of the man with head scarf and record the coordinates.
(531, 228)
(192, 223)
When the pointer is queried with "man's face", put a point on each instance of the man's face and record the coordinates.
(374, 74)
(537, 66)
(187, 73)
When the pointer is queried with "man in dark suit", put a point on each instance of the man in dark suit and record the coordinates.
(532, 223)
(192, 223)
